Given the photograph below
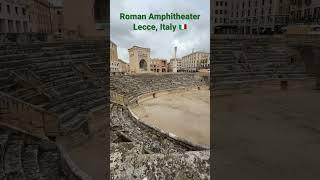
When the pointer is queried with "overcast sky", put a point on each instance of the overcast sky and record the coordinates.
(161, 43)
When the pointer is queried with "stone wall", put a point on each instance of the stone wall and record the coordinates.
(28, 117)
(118, 98)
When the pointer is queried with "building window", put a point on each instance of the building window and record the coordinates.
(8, 9)
(58, 12)
(17, 12)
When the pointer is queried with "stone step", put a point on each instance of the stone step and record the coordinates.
(30, 162)
(192, 165)
(124, 149)
(12, 158)
(3, 144)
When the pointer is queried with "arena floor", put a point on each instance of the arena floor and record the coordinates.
(89, 156)
(268, 134)
(185, 114)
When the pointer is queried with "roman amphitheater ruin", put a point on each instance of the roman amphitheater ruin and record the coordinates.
(142, 150)
(54, 111)
(54, 115)
(50, 94)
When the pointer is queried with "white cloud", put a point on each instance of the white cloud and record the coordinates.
(161, 43)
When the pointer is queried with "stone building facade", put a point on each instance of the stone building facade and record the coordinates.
(114, 64)
(139, 59)
(124, 67)
(88, 20)
(56, 11)
(175, 65)
(40, 17)
(117, 65)
(158, 65)
(195, 61)
(31, 16)
(250, 16)
(14, 16)
(307, 11)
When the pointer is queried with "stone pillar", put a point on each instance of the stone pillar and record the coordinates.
(14, 26)
(6, 28)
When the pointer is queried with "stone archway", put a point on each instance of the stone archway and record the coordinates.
(143, 65)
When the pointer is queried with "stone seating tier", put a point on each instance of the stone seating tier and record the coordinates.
(134, 142)
(56, 79)
(257, 60)
(26, 157)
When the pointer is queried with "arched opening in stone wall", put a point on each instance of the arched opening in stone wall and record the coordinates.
(143, 65)
(100, 13)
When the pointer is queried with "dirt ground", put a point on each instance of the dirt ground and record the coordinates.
(186, 114)
(268, 135)
(90, 155)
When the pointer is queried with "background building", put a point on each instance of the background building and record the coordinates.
(139, 59)
(158, 65)
(56, 11)
(34, 16)
(117, 65)
(220, 16)
(40, 17)
(250, 16)
(114, 64)
(195, 61)
(307, 11)
(175, 65)
(14, 17)
(87, 20)
(123, 67)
